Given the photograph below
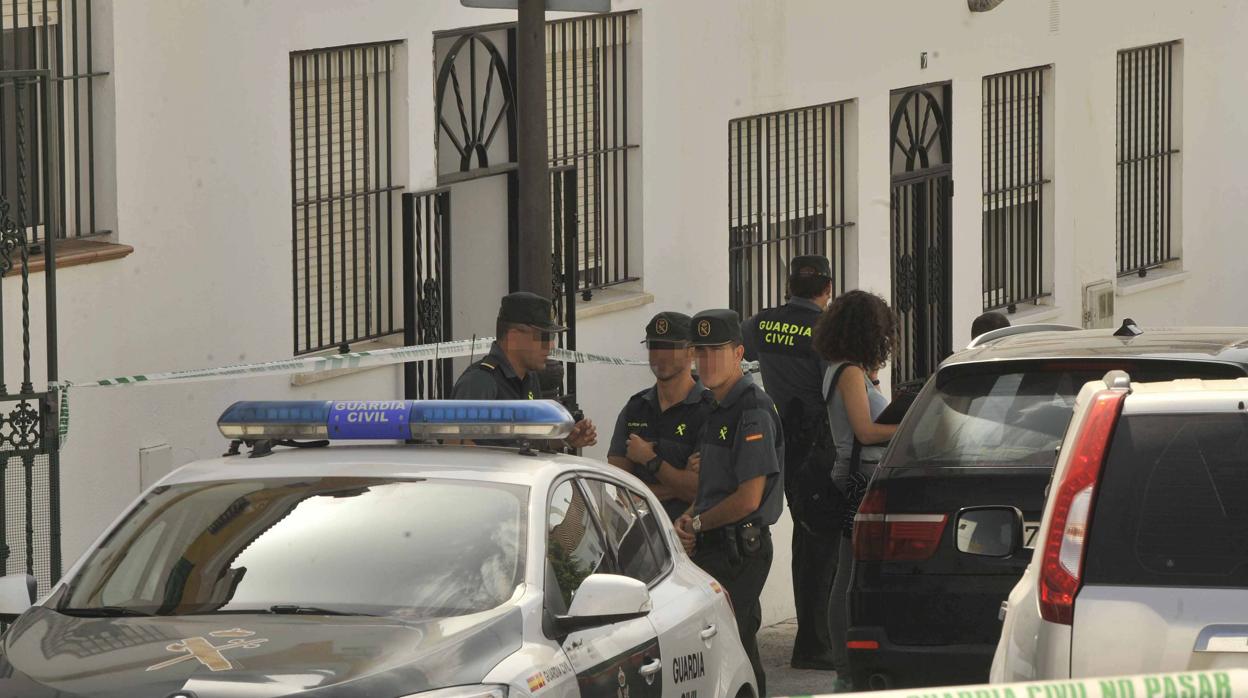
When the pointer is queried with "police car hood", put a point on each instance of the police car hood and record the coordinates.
(250, 656)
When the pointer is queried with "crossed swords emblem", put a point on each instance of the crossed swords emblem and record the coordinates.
(208, 654)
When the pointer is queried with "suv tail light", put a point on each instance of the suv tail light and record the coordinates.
(1062, 564)
(879, 535)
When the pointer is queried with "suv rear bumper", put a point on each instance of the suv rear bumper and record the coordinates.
(909, 666)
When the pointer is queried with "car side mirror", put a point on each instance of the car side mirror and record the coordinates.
(990, 531)
(605, 599)
(17, 595)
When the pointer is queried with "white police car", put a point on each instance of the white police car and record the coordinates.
(382, 571)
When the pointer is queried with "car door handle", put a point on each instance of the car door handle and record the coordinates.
(650, 668)
(709, 632)
(1223, 638)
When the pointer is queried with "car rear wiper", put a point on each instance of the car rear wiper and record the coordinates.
(296, 609)
(103, 612)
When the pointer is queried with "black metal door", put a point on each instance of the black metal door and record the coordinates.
(922, 189)
(30, 509)
(566, 263)
(427, 290)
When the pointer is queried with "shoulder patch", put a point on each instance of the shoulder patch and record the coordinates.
(753, 437)
(487, 366)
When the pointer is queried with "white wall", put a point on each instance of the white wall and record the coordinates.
(202, 146)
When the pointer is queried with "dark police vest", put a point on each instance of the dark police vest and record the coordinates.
(492, 378)
(780, 339)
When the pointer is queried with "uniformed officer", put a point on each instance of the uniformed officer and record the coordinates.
(779, 339)
(524, 334)
(657, 431)
(741, 480)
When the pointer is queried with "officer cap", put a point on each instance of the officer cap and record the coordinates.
(668, 327)
(715, 327)
(524, 308)
(810, 265)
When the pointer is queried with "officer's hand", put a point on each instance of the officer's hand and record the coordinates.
(583, 435)
(639, 450)
(684, 531)
(694, 464)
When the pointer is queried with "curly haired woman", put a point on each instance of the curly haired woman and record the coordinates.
(856, 335)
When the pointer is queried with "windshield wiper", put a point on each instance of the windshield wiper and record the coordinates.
(291, 609)
(103, 612)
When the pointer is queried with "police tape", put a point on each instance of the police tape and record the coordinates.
(1193, 684)
(318, 364)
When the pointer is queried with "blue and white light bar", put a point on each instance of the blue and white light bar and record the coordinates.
(478, 420)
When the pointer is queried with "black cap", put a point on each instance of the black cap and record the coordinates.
(715, 327)
(524, 308)
(668, 327)
(810, 265)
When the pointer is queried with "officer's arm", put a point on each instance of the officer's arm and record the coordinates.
(738, 505)
(682, 483)
(660, 490)
(754, 460)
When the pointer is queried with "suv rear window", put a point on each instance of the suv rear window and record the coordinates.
(1013, 413)
(1172, 508)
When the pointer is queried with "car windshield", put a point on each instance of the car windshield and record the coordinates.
(361, 546)
(1013, 414)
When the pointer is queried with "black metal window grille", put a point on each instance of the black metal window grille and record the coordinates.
(345, 264)
(52, 35)
(1014, 185)
(787, 197)
(587, 85)
(1146, 153)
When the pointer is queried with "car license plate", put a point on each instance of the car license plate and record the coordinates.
(1031, 530)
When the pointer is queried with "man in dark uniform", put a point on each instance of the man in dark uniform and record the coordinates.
(740, 481)
(779, 339)
(658, 429)
(525, 332)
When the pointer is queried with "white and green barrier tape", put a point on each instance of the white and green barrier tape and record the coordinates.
(314, 364)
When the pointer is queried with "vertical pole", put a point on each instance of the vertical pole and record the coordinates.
(534, 214)
(571, 256)
(410, 368)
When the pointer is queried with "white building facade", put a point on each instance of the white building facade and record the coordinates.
(235, 146)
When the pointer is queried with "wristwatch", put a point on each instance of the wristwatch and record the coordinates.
(653, 465)
(697, 523)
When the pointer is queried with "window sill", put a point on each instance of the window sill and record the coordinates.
(73, 253)
(1160, 278)
(314, 377)
(613, 299)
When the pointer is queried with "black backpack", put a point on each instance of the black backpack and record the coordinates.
(815, 502)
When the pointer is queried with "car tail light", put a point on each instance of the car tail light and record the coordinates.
(1062, 564)
(879, 535)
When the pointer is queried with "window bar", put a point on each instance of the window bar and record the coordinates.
(1154, 164)
(90, 125)
(294, 217)
(1119, 153)
(1170, 146)
(355, 188)
(320, 255)
(777, 219)
(382, 232)
(1016, 160)
(389, 181)
(368, 228)
(1138, 144)
(77, 140)
(343, 198)
(307, 248)
(622, 155)
(764, 203)
(4, 155)
(840, 162)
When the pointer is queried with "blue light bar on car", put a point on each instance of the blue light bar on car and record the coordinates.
(478, 420)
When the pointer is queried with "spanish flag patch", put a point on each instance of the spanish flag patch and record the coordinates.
(753, 437)
(536, 682)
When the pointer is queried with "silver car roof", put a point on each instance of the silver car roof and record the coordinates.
(1219, 344)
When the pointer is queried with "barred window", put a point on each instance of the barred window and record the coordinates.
(1016, 234)
(788, 196)
(58, 37)
(346, 263)
(1147, 153)
(587, 121)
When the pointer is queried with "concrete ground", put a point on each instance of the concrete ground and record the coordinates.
(775, 643)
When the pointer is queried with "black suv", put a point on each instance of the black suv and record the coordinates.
(984, 430)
